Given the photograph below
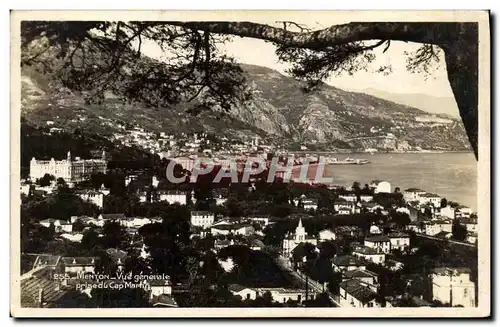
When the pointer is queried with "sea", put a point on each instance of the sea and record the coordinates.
(452, 175)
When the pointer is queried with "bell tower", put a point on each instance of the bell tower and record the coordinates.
(300, 232)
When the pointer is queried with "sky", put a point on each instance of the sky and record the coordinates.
(400, 80)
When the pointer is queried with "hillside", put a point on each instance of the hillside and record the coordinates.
(329, 118)
(429, 103)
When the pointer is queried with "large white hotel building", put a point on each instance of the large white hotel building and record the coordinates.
(71, 170)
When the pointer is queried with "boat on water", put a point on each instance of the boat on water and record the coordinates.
(346, 161)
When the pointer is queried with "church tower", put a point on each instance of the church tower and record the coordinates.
(300, 232)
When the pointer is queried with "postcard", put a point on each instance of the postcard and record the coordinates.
(291, 163)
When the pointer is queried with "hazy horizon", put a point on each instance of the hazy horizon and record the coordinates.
(400, 80)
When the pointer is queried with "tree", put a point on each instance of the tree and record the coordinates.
(107, 59)
(402, 219)
(45, 180)
(333, 285)
(78, 226)
(90, 239)
(113, 235)
(458, 231)
(61, 182)
(444, 203)
(120, 298)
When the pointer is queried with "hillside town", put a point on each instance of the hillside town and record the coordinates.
(93, 237)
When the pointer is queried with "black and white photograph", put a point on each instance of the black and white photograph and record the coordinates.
(250, 164)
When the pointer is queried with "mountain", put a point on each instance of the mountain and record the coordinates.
(279, 112)
(426, 102)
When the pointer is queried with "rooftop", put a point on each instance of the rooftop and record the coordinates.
(415, 190)
(163, 300)
(236, 287)
(347, 260)
(359, 291)
(358, 273)
(446, 271)
(31, 288)
(79, 261)
(430, 195)
(366, 250)
(397, 235)
(202, 213)
(377, 238)
(113, 216)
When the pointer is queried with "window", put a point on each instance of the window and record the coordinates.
(370, 305)
(299, 297)
(248, 296)
(465, 292)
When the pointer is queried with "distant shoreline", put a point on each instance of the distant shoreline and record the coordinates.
(384, 152)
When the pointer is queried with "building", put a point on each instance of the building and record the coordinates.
(373, 207)
(463, 212)
(25, 189)
(283, 295)
(366, 198)
(326, 235)
(432, 198)
(50, 221)
(70, 170)
(453, 286)
(350, 197)
(160, 286)
(354, 293)
(472, 237)
(381, 186)
(369, 254)
(171, 197)
(220, 200)
(94, 197)
(375, 230)
(345, 263)
(437, 226)
(111, 216)
(39, 290)
(310, 204)
(378, 242)
(235, 229)
(413, 194)
(202, 218)
(278, 294)
(74, 265)
(400, 241)
(262, 220)
(135, 222)
(186, 163)
(130, 178)
(64, 227)
(292, 240)
(343, 207)
(246, 293)
(470, 224)
(366, 276)
(448, 212)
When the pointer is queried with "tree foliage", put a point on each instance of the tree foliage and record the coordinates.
(100, 56)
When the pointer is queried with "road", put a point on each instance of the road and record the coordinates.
(445, 240)
(296, 278)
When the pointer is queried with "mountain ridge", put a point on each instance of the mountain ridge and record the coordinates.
(429, 103)
(278, 110)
